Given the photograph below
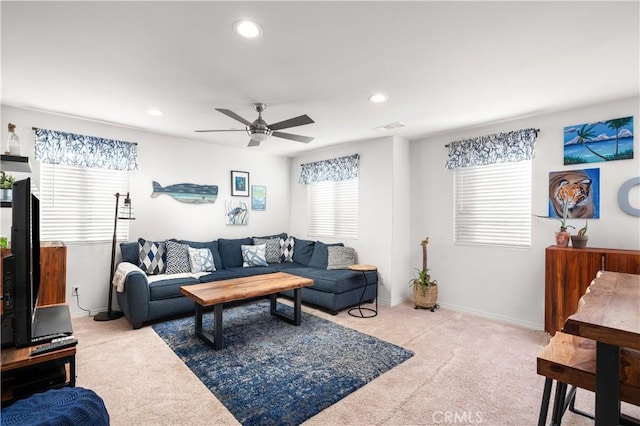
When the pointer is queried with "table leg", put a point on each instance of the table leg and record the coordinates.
(359, 308)
(607, 384)
(215, 339)
(296, 318)
(72, 371)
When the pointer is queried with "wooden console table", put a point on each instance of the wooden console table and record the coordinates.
(568, 273)
(53, 272)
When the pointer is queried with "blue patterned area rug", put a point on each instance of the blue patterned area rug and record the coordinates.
(274, 373)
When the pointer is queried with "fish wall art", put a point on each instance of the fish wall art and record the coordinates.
(187, 192)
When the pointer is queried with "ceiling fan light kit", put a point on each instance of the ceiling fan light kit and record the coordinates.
(259, 130)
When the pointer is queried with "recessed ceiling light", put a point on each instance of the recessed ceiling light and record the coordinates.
(154, 112)
(377, 98)
(247, 29)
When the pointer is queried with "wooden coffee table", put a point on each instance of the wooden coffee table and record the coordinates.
(218, 292)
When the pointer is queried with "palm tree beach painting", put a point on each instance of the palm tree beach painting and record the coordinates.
(601, 141)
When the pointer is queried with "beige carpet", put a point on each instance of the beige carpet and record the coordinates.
(466, 370)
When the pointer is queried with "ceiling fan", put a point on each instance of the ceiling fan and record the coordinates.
(259, 130)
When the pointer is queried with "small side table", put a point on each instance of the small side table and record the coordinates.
(371, 312)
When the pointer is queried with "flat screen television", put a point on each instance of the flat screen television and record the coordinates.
(23, 322)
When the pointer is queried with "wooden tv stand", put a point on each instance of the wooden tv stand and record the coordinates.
(17, 362)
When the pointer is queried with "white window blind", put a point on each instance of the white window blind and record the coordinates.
(333, 208)
(493, 205)
(77, 204)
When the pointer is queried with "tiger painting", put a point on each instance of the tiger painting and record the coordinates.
(575, 187)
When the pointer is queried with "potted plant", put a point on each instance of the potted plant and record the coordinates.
(425, 290)
(562, 236)
(6, 183)
(580, 240)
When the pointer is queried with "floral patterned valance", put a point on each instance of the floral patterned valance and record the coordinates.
(335, 169)
(54, 147)
(491, 149)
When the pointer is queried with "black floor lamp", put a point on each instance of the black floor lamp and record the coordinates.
(125, 213)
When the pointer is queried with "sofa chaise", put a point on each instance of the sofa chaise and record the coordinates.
(149, 290)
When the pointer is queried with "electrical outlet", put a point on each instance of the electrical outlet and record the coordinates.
(75, 290)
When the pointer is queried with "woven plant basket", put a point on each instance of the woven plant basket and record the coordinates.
(426, 299)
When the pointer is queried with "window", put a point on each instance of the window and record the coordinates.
(332, 196)
(79, 178)
(77, 204)
(492, 204)
(333, 208)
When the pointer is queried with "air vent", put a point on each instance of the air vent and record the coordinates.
(391, 126)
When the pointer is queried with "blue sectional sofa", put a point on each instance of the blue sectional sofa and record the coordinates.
(146, 298)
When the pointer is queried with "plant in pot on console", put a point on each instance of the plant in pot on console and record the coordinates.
(580, 240)
(6, 183)
(562, 236)
(425, 290)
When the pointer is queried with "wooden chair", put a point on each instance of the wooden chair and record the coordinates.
(571, 360)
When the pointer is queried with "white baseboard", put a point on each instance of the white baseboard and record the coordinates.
(500, 318)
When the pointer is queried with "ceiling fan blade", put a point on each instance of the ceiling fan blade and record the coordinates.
(253, 142)
(225, 130)
(292, 122)
(297, 138)
(233, 115)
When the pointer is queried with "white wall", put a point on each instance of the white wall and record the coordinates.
(377, 197)
(508, 284)
(168, 160)
(403, 243)
(405, 196)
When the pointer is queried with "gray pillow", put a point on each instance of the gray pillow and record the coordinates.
(341, 257)
(177, 258)
(286, 249)
(273, 254)
(152, 257)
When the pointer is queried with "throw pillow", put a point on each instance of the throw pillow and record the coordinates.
(286, 249)
(130, 252)
(230, 251)
(340, 257)
(177, 258)
(254, 255)
(273, 248)
(152, 257)
(320, 257)
(279, 236)
(303, 251)
(201, 260)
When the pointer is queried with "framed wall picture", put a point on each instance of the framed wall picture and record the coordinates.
(606, 140)
(237, 212)
(258, 197)
(239, 183)
(580, 189)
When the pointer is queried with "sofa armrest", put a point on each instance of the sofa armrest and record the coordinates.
(134, 300)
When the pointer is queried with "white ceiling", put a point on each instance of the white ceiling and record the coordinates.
(443, 65)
